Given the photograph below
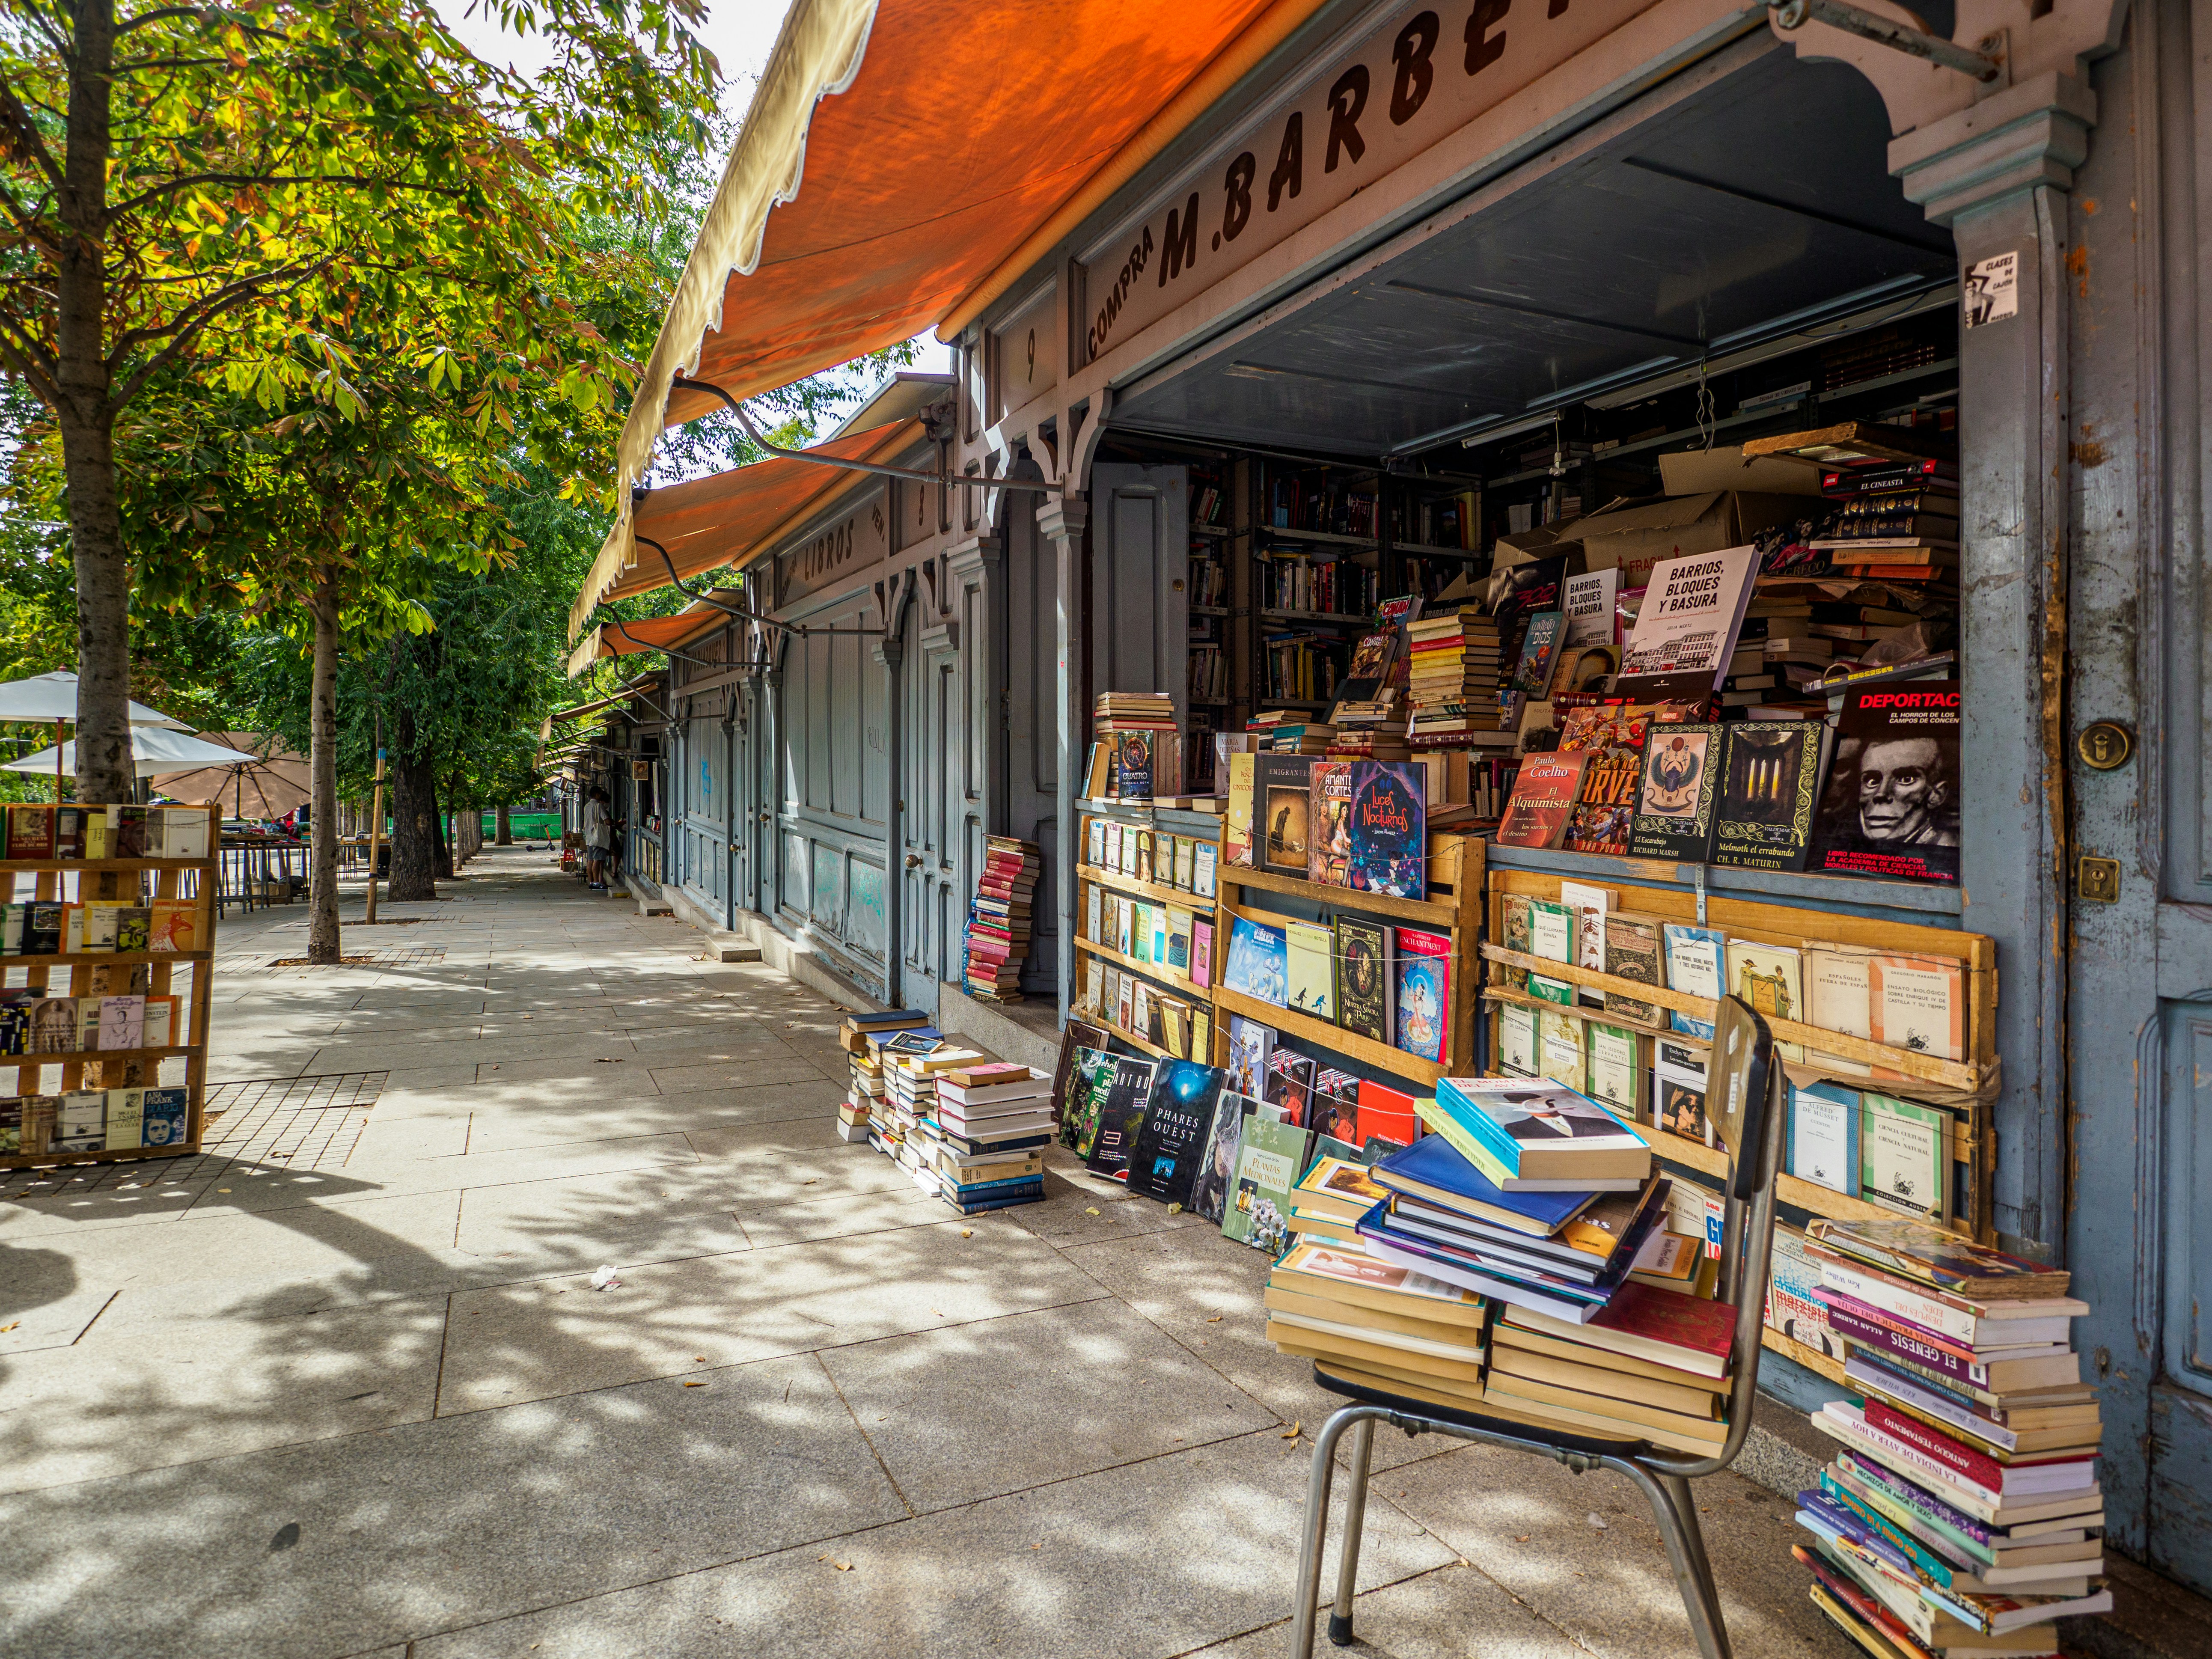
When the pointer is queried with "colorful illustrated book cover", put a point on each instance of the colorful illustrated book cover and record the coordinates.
(1237, 822)
(1389, 829)
(1250, 1044)
(1362, 977)
(1891, 806)
(1282, 813)
(1133, 765)
(1290, 1086)
(1270, 1159)
(1171, 1143)
(1329, 819)
(1309, 978)
(1674, 800)
(1128, 1090)
(1544, 794)
(1632, 952)
(1770, 783)
(1532, 675)
(1423, 992)
(1259, 961)
(1217, 1169)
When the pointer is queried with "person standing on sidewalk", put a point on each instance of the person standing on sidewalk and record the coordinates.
(595, 841)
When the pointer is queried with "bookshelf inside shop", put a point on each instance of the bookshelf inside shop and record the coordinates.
(88, 1051)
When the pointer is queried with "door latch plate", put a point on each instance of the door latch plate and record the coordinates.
(2098, 879)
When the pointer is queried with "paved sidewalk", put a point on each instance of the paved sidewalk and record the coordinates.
(341, 1386)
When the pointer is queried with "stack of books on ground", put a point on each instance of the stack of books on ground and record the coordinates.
(1962, 1514)
(910, 1062)
(1374, 1323)
(1455, 666)
(987, 1133)
(1136, 756)
(1534, 1196)
(865, 1086)
(999, 919)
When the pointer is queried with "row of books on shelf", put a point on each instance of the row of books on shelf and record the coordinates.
(1452, 520)
(1300, 667)
(1307, 501)
(45, 928)
(966, 1127)
(1136, 1007)
(1387, 984)
(32, 1022)
(1875, 795)
(1897, 1154)
(1170, 939)
(1209, 674)
(83, 832)
(1208, 583)
(998, 919)
(1188, 864)
(1355, 823)
(1962, 1511)
(95, 1121)
(1337, 588)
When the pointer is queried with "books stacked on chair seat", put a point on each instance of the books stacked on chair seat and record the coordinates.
(988, 1132)
(999, 917)
(1652, 1365)
(1388, 1327)
(1962, 1513)
(865, 1084)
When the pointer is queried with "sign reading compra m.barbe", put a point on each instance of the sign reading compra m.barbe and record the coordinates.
(1422, 75)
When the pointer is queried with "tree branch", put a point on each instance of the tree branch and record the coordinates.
(132, 204)
(48, 389)
(20, 139)
(188, 329)
(144, 18)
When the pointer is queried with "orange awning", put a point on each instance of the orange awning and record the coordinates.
(902, 164)
(725, 518)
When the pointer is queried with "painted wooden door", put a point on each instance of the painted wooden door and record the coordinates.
(2137, 768)
(941, 792)
(1027, 720)
(1139, 569)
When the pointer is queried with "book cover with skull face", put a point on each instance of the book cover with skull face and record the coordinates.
(1891, 806)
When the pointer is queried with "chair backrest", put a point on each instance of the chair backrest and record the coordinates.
(1746, 1100)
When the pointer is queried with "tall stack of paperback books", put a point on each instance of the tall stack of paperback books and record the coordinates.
(999, 919)
(1962, 1513)
(912, 1060)
(1453, 680)
(987, 1133)
(861, 1037)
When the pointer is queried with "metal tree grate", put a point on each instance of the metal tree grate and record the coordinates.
(295, 1123)
(392, 956)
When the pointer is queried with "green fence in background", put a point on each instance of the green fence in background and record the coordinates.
(526, 826)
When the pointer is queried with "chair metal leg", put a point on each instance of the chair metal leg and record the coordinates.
(1355, 1520)
(1676, 1512)
(1315, 1537)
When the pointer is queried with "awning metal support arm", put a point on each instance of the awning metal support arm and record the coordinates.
(740, 612)
(881, 471)
(1883, 31)
(616, 622)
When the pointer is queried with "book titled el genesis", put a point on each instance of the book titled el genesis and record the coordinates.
(1891, 807)
(1770, 782)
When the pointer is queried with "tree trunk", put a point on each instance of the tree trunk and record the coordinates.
(503, 828)
(414, 840)
(104, 771)
(414, 806)
(445, 846)
(323, 944)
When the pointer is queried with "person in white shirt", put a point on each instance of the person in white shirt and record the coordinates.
(597, 834)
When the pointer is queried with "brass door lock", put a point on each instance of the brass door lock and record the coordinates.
(2105, 745)
(2098, 880)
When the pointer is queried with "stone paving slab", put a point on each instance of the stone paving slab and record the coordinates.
(1152, 1558)
(439, 1524)
(558, 1336)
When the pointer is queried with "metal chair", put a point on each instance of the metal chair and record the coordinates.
(1745, 1099)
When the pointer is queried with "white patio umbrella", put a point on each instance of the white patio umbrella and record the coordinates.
(263, 770)
(51, 700)
(154, 750)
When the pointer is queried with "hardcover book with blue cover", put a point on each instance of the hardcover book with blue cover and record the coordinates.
(1430, 1169)
(1171, 1140)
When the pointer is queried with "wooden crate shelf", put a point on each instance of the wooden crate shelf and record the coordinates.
(1322, 1035)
